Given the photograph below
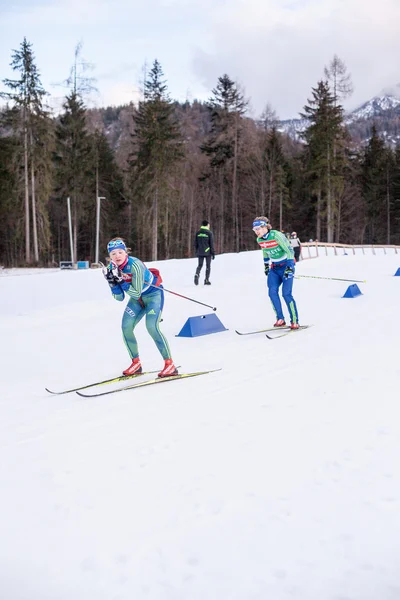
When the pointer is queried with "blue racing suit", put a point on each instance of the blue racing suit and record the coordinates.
(144, 300)
(279, 257)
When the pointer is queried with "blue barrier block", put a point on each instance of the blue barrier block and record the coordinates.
(352, 291)
(397, 274)
(201, 325)
(82, 264)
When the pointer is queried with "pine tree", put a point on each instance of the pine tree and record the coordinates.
(108, 184)
(226, 107)
(275, 166)
(342, 87)
(323, 138)
(29, 120)
(10, 214)
(374, 187)
(396, 196)
(157, 152)
(75, 163)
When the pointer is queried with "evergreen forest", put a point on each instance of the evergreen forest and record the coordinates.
(155, 170)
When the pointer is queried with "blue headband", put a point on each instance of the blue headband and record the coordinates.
(259, 223)
(115, 245)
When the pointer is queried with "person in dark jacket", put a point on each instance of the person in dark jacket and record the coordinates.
(204, 247)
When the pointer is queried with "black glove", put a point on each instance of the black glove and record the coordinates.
(113, 275)
(288, 272)
(213, 256)
(266, 268)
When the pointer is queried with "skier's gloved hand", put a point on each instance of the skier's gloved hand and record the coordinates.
(113, 275)
(213, 256)
(115, 270)
(289, 271)
(110, 278)
(266, 268)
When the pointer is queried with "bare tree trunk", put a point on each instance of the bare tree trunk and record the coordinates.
(222, 208)
(34, 218)
(339, 218)
(75, 229)
(319, 215)
(99, 207)
(262, 193)
(166, 229)
(271, 183)
(33, 192)
(363, 234)
(130, 217)
(235, 216)
(190, 224)
(26, 181)
(333, 190)
(329, 212)
(281, 210)
(155, 224)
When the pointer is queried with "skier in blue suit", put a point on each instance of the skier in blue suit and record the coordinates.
(279, 267)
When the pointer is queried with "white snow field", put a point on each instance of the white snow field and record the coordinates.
(275, 478)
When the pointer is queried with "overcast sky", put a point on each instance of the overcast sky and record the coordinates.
(276, 49)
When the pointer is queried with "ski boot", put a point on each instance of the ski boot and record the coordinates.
(280, 323)
(135, 368)
(169, 369)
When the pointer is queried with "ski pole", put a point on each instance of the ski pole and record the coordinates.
(181, 296)
(171, 292)
(332, 278)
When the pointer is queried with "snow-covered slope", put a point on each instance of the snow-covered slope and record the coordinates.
(275, 478)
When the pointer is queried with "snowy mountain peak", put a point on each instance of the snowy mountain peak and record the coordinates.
(383, 111)
(375, 107)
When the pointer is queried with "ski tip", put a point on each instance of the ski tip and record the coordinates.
(50, 392)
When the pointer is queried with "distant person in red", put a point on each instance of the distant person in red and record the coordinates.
(296, 245)
(204, 247)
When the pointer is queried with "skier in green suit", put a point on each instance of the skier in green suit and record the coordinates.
(279, 267)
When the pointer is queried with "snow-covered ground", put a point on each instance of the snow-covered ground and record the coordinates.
(275, 478)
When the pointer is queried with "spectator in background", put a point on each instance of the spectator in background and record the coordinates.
(204, 247)
(296, 245)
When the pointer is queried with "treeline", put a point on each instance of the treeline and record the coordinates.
(161, 167)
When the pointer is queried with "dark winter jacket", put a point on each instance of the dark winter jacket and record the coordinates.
(204, 242)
